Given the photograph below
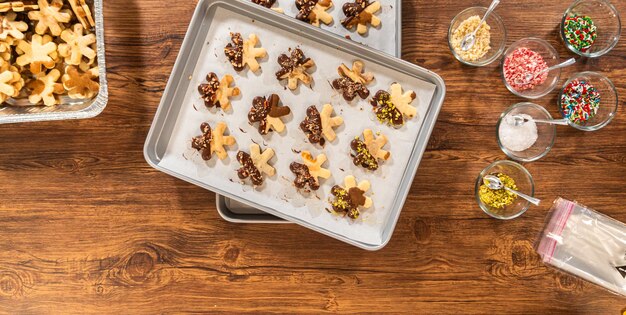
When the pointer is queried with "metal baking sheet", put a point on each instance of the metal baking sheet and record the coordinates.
(73, 109)
(168, 139)
(236, 212)
(393, 46)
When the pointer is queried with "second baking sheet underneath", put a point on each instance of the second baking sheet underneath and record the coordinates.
(385, 38)
(278, 192)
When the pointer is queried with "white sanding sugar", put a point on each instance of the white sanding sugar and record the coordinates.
(518, 138)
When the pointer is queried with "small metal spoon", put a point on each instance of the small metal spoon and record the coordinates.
(519, 120)
(470, 39)
(493, 182)
(529, 77)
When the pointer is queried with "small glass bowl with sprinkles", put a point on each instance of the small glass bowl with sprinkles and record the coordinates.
(529, 142)
(528, 57)
(506, 208)
(589, 100)
(490, 40)
(591, 28)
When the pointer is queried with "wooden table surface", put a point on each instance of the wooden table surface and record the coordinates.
(86, 226)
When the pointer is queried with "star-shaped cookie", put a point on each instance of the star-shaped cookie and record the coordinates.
(314, 11)
(212, 141)
(361, 14)
(218, 92)
(319, 127)
(351, 197)
(294, 68)
(393, 106)
(255, 164)
(368, 151)
(38, 53)
(353, 81)
(244, 52)
(268, 113)
(309, 172)
(50, 16)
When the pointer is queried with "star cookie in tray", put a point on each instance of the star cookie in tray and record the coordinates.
(353, 81)
(360, 13)
(268, 113)
(45, 87)
(368, 151)
(255, 164)
(77, 45)
(294, 68)
(10, 81)
(314, 11)
(218, 92)
(212, 141)
(392, 107)
(80, 84)
(351, 197)
(50, 17)
(39, 53)
(319, 127)
(242, 52)
(309, 172)
(10, 28)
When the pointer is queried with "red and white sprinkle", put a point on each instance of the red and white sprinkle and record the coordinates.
(519, 64)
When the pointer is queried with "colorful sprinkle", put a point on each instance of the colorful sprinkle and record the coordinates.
(580, 101)
(580, 32)
(521, 63)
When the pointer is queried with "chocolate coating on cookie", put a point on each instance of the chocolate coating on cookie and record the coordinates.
(265, 3)
(248, 169)
(306, 9)
(289, 63)
(208, 91)
(234, 51)
(312, 125)
(385, 110)
(347, 202)
(263, 107)
(303, 176)
(203, 143)
(350, 88)
(354, 13)
(362, 156)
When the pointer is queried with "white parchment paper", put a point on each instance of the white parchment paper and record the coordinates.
(383, 38)
(278, 192)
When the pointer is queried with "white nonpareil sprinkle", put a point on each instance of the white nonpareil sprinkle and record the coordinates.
(518, 138)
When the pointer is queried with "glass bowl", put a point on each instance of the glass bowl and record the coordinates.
(608, 103)
(498, 36)
(549, 55)
(523, 180)
(606, 19)
(546, 133)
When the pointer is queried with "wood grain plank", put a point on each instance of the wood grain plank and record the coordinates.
(88, 227)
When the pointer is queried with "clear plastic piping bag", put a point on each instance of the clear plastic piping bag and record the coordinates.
(585, 243)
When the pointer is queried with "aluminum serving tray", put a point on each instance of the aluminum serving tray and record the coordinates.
(74, 109)
(171, 104)
(237, 212)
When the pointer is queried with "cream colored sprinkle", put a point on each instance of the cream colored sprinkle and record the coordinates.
(481, 45)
